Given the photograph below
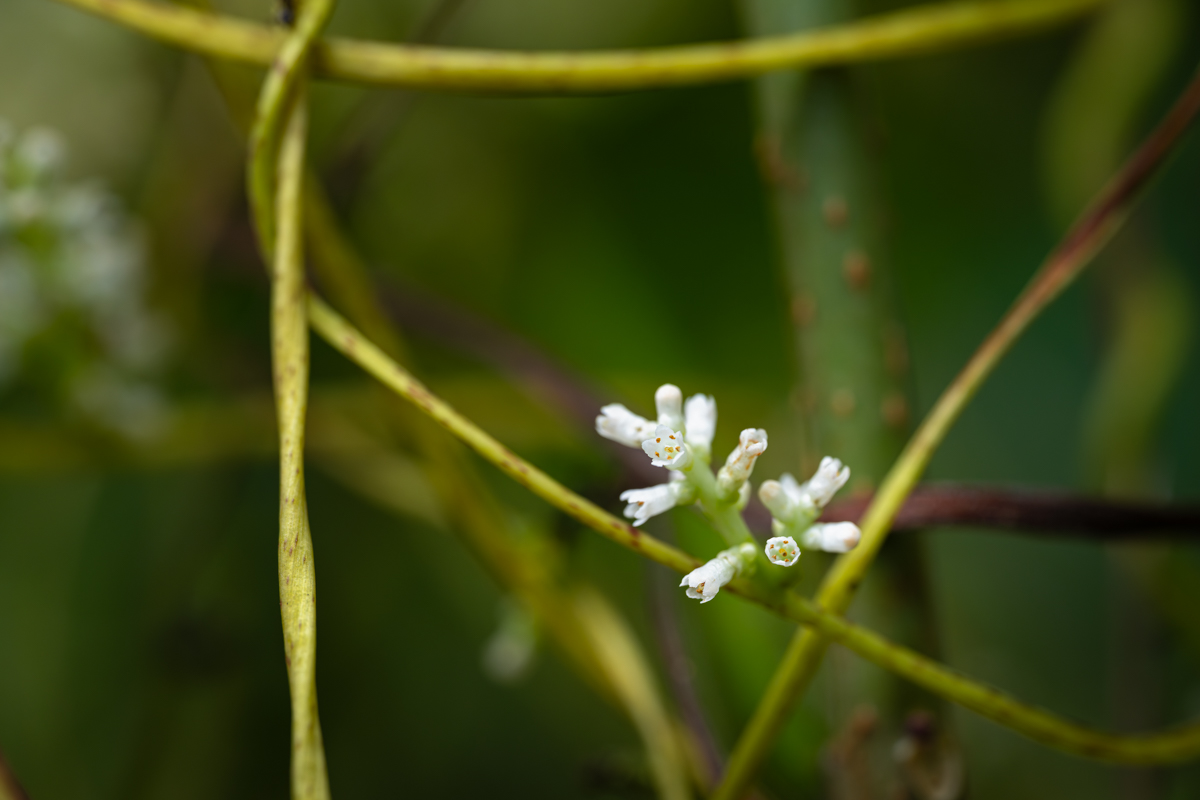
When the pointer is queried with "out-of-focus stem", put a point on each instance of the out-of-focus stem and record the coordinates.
(1077, 248)
(903, 33)
(9, 788)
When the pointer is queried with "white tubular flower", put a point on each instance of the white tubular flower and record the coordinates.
(666, 449)
(618, 423)
(700, 422)
(782, 550)
(646, 503)
(778, 499)
(739, 465)
(823, 485)
(832, 537)
(704, 582)
(668, 400)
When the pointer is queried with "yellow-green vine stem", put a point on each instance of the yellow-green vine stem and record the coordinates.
(343, 336)
(910, 32)
(1178, 745)
(1077, 248)
(297, 574)
(287, 69)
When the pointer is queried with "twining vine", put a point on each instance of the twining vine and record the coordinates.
(282, 199)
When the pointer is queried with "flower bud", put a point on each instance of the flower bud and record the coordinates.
(832, 537)
(740, 463)
(776, 499)
(700, 423)
(668, 400)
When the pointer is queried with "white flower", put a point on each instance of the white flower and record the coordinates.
(740, 463)
(832, 537)
(618, 423)
(800, 503)
(668, 400)
(700, 422)
(666, 449)
(823, 485)
(778, 499)
(704, 582)
(646, 503)
(782, 550)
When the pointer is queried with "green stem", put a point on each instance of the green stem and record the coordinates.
(904, 33)
(1179, 745)
(342, 335)
(725, 516)
(286, 71)
(1076, 250)
(297, 574)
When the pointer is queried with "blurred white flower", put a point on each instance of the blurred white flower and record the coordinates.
(72, 278)
(700, 423)
(509, 652)
(668, 401)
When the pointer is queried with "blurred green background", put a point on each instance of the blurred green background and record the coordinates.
(140, 650)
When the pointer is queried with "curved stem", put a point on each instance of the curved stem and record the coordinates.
(286, 70)
(1179, 745)
(903, 33)
(278, 212)
(1077, 248)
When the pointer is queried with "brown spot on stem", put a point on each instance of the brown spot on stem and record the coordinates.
(895, 410)
(804, 309)
(842, 403)
(835, 211)
(857, 269)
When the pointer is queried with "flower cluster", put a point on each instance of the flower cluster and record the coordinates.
(796, 506)
(680, 440)
(73, 320)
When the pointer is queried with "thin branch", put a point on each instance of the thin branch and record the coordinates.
(1180, 744)
(903, 33)
(1064, 263)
